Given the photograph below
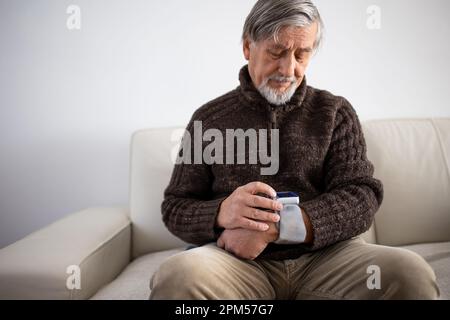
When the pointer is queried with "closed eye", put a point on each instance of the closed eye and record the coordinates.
(275, 55)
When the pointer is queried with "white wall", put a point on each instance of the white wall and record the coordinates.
(70, 100)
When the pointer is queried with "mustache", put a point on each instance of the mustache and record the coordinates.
(280, 78)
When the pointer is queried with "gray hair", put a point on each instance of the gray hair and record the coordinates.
(268, 17)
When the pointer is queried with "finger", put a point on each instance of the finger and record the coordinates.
(220, 243)
(261, 215)
(255, 187)
(265, 203)
(253, 225)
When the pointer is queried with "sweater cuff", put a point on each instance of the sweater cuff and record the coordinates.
(209, 210)
(320, 224)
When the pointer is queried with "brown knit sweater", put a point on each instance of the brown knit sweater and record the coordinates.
(322, 157)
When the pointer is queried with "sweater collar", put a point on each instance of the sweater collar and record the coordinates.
(251, 97)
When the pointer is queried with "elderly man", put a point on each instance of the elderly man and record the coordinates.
(249, 245)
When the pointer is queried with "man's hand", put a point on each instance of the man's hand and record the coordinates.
(239, 210)
(247, 244)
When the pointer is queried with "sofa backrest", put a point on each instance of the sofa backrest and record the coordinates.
(150, 172)
(411, 158)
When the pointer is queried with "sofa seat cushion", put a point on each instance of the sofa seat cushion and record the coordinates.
(134, 281)
(438, 256)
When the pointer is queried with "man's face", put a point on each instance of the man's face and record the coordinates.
(278, 68)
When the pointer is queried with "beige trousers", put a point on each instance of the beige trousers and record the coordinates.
(350, 269)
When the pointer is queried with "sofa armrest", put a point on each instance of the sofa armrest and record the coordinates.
(69, 259)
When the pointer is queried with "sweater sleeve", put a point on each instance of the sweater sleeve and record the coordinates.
(352, 196)
(188, 209)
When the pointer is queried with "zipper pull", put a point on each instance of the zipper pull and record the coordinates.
(273, 117)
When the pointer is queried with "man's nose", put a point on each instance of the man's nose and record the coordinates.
(287, 66)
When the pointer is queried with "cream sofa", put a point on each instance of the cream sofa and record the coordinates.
(118, 249)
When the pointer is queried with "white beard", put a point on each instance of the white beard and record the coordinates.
(275, 97)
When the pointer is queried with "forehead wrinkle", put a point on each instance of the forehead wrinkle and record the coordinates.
(289, 41)
(292, 45)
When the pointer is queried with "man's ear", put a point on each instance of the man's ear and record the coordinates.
(246, 48)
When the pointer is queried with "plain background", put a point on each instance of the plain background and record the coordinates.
(70, 99)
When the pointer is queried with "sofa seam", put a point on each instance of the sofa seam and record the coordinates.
(419, 119)
(114, 235)
(444, 157)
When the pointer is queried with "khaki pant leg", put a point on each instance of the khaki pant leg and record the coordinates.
(209, 272)
(347, 270)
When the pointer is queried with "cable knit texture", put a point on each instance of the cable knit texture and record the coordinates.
(322, 157)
